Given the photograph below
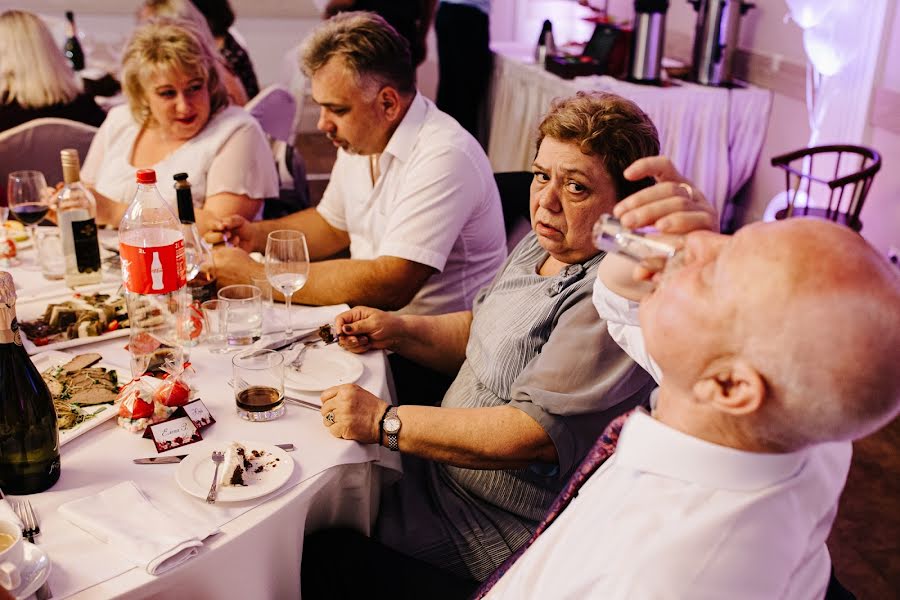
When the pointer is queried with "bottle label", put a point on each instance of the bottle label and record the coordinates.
(87, 249)
(9, 326)
(153, 269)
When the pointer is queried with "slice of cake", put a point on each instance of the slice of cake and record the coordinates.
(235, 465)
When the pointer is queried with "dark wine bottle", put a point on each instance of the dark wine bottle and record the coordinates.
(201, 268)
(185, 198)
(29, 440)
(72, 47)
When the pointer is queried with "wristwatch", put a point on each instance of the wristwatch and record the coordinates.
(392, 426)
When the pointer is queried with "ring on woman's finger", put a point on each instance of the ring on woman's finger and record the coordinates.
(330, 419)
(688, 189)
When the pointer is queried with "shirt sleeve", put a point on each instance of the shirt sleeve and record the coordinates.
(431, 207)
(621, 315)
(244, 165)
(90, 167)
(578, 382)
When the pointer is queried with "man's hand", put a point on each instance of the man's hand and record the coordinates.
(233, 265)
(355, 412)
(673, 205)
(237, 231)
(362, 328)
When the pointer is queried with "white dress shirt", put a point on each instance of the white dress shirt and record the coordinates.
(673, 516)
(435, 203)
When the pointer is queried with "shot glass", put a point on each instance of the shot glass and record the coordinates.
(214, 322)
(243, 319)
(51, 259)
(259, 384)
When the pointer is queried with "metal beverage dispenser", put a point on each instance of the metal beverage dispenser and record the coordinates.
(648, 43)
(716, 39)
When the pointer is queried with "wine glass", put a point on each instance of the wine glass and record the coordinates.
(27, 200)
(287, 265)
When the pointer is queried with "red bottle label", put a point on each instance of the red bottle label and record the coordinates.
(154, 269)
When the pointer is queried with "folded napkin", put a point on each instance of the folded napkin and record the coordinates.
(8, 514)
(124, 518)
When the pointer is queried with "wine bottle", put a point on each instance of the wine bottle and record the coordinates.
(76, 210)
(72, 47)
(29, 440)
(201, 270)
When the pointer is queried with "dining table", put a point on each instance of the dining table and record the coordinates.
(257, 547)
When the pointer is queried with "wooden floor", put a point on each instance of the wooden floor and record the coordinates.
(865, 541)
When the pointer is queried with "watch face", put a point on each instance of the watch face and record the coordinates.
(392, 425)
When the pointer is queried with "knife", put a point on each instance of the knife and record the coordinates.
(165, 460)
(284, 343)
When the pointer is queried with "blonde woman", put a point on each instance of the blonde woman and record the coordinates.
(35, 79)
(178, 119)
(185, 11)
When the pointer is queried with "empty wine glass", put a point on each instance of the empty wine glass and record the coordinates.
(26, 198)
(287, 265)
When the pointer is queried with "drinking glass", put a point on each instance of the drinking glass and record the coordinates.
(214, 323)
(26, 198)
(51, 259)
(243, 318)
(287, 266)
(259, 384)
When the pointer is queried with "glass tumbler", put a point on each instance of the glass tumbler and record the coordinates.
(214, 323)
(51, 259)
(259, 384)
(243, 319)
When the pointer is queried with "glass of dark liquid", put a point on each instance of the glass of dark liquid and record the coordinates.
(27, 198)
(259, 384)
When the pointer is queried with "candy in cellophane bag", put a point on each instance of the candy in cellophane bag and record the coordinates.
(175, 391)
(137, 407)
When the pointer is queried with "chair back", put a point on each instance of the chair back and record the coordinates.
(829, 182)
(36, 145)
(515, 191)
(274, 108)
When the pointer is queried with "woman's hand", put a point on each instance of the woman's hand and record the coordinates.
(355, 413)
(362, 328)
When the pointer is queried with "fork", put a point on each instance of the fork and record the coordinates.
(31, 528)
(217, 457)
(298, 360)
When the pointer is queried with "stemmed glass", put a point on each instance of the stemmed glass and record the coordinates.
(287, 265)
(25, 193)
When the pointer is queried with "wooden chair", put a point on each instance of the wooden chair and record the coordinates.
(846, 185)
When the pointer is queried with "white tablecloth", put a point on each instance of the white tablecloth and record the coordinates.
(257, 553)
(713, 135)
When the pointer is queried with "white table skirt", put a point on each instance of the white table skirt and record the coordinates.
(713, 135)
(257, 552)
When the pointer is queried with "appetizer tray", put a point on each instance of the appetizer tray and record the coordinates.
(76, 419)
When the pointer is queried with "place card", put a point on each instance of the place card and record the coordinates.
(197, 412)
(173, 433)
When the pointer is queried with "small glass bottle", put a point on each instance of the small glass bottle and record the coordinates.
(612, 237)
(76, 210)
(201, 270)
(29, 439)
(72, 48)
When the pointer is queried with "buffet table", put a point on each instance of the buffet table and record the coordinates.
(256, 553)
(713, 135)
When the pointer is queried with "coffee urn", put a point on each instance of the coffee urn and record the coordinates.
(716, 39)
(649, 40)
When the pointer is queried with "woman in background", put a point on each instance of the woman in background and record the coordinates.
(185, 11)
(178, 119)
(35, 78)
(220, 18)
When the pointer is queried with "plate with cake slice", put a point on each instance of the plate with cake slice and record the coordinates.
(250, 470)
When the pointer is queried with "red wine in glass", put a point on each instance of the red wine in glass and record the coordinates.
(30, 213)
(25, 194)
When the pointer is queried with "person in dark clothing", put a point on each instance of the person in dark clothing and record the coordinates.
(220, 18)
(36, 80)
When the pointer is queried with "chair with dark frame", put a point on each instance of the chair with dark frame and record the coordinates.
(846, 187)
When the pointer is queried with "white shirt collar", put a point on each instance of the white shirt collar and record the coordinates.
(405, 136)
(646, 444)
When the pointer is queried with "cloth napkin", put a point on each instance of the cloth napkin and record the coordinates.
(124, 518)
(8, 514)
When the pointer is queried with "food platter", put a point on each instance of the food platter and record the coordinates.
(91, 416)
(79, 310)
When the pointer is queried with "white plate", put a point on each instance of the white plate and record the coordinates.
(104, 412)
(30, 310)
(323, 368)
(195, 474)
(35, 571)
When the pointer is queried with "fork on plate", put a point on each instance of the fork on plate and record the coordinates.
(31, 528)
(297, 362)
(218, 458)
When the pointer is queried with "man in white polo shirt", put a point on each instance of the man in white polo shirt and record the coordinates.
(412, 194)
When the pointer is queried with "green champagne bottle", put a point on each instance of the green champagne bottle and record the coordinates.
(29, 440)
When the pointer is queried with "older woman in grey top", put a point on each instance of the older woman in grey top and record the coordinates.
(538, 376)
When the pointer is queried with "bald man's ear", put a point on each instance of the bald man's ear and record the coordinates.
(734, 387)
(389, 101)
